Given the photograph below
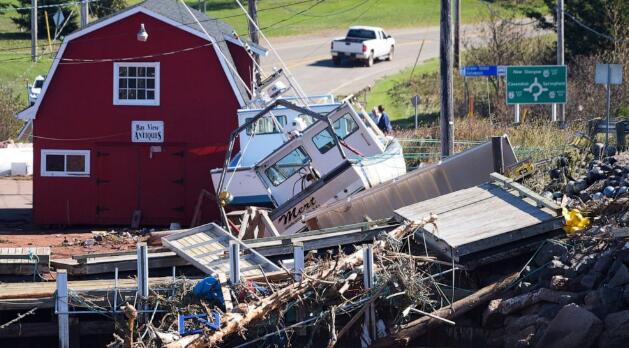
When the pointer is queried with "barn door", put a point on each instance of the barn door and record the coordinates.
(116, 183)
(162, 184)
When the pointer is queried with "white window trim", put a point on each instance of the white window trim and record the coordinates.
(149, 102)
(85, 153)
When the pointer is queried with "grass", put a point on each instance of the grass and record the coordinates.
(290, 17)
(276, 18)
(379, 94)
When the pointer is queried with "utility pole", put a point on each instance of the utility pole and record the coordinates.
(34, 30)
(84, 13)
(445, 52)
(561, 117)
(457, 34)
(253, 34)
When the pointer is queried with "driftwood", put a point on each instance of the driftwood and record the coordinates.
(419, 327)
(132, 314)
(235, 322)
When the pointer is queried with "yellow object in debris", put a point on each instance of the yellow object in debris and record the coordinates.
(574, 221)
(224, 197)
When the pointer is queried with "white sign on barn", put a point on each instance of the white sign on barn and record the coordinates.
(147, 131)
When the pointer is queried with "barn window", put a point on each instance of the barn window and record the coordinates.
(65, 162)
(136, 83)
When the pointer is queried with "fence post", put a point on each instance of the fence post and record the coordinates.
(298, 260)
(234, 262)
(62, 308)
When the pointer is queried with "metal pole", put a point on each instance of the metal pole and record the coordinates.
(368, 282)
(298, 260)
(609, 105)
(234, 262)
(517, 113)
(34, 30)
(84, 13)
(457, 37)
(416, 116)
(62, 308)
(446, 67)
(253, 33)
(143, 270)
(561, 117)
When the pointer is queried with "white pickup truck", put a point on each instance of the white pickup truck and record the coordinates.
(363, 43)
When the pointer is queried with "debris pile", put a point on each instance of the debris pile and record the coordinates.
(574, 291)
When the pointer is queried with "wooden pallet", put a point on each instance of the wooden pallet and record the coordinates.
(206, 247)
(488, 219)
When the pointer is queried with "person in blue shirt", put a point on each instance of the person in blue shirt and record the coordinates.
(384, 123)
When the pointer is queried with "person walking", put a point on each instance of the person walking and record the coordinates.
(375, 115)
(384, 123)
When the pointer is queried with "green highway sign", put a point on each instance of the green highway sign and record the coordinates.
(545, 84)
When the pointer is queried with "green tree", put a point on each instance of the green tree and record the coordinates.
(609, 18)
(67, 7)
(9, 105)
(105, 8)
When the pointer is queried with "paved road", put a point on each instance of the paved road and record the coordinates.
(308, 58)
(16, 200)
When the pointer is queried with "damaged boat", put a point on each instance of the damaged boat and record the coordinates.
(338, 154)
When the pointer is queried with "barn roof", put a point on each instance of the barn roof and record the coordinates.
(177, 14)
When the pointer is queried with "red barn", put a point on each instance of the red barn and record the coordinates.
(136, 110)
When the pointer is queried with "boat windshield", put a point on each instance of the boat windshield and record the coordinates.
(287, 166)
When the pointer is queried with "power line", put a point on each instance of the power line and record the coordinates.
(333, 13)
(193, 22)
(581, 24)
(65, 4)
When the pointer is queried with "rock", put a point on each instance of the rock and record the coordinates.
(616, 330)
(548, 252)
(89, 242)
(521, 338)
(621, 277)
(625, 296)
(611, 300)
(492, 317)
(572, 327)
(558, 282)
(603, 262)
(590, 280)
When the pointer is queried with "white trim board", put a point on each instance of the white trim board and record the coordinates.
(31, 113)
(65, 173)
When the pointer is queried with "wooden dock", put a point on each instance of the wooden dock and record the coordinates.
(22, 261)
(485, 222)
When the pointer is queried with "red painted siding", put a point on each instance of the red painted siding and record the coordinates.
(197, 105)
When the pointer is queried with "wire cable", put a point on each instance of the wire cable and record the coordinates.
(584, 26)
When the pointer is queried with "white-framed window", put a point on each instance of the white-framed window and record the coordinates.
(65, 162)
(136, 83)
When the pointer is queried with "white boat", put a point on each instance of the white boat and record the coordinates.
(339, 154)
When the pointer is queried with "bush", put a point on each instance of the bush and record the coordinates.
(9, 105)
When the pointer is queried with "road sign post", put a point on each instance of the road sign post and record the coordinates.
(415, 101)
(608, 74)
(546, 84)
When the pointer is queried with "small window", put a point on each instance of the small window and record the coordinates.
(343, 127)
(265, 125)
(307, 119)
(287, 166)
(65, 163)
(323, 141)
(136, 83)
